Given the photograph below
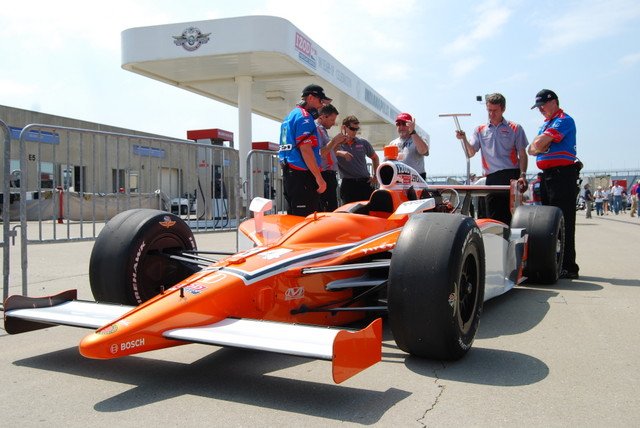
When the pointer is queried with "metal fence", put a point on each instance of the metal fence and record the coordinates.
(6, 139)
(264, 178)
(66, 183)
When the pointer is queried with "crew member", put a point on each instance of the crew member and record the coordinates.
(556, 156)
(299, 154)
(412, 148)
(357, 184)
(326, 119)
(504, 157)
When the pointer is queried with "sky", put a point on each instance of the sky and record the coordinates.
(426, 57)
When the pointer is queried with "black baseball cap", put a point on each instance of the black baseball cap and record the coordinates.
(317, 91)
(543, 96)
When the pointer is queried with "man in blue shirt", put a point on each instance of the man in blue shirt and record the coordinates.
(555, 151)
(299, 153)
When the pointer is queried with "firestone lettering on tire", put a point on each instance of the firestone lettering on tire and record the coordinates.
(134, 278)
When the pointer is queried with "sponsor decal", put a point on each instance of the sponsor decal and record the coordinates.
(108, 330)
(191, 39)
(130, 344)
(379, 248)
(275, 254)
(306, 52)
(294, 293)
(113, 349)
(167, 222)
(195, 288)
(212, 279)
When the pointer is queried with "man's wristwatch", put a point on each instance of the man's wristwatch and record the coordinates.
(413, 132)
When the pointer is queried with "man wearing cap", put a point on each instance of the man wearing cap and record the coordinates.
(299, 154)
(504, 154)
(357, 184)
(327, 116)
(556, 156)
(412, 148)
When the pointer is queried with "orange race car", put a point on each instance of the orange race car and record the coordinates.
(411, 254)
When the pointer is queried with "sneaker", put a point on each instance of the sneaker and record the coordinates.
(565, 274)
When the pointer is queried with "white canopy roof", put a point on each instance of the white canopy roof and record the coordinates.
(258, 63)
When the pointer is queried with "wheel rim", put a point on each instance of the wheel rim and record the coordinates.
(469, 286)
(156, 270)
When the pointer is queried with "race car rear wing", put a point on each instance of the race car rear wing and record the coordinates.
(349, 351)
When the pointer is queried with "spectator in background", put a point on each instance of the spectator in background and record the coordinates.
(598, 196)
(607, 199)
(357, 184)
(588, 200)
(504, 157)
(634, 198)
(412, 148)
(616, 193)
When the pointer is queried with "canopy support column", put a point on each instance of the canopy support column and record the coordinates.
(244, 125)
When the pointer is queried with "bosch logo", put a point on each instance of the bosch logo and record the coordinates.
(132, 344)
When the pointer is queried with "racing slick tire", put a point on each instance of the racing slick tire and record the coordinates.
(129, 262)
(545, 227)
(436, 285)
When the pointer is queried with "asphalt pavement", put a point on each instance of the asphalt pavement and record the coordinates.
(544, 356)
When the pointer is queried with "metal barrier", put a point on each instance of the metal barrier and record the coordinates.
(72, 181)
(264, 178)
(6, 200)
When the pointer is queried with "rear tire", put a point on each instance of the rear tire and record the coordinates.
(545, 226)
(129, 262)
(436, 285)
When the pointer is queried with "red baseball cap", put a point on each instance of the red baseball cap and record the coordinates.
(403, 117)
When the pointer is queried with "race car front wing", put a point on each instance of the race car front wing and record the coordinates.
(350, 351)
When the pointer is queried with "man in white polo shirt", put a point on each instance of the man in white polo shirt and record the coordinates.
(504, 154)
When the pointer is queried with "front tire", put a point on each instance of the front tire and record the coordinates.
(129, 262)
(436, 285)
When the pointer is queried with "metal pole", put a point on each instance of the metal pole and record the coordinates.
(464, 149)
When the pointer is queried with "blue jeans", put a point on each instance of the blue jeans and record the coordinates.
(599, 210)
(617, 203)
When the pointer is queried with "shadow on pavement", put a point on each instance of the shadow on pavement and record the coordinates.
(484, 367)
(226, 374)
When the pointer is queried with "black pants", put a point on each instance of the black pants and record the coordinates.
(329, 199)
(355, 189)
(559, 188)
(300, 192)
(498, 203)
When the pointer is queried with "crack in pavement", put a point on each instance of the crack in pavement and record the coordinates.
(441, 389)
